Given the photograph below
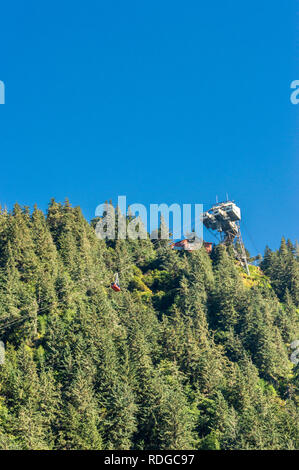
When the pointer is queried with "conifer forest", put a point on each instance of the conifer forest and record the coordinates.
(192, 353)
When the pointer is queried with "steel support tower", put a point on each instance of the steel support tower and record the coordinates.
(224, 217)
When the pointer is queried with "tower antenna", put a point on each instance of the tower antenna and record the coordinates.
(225, 218)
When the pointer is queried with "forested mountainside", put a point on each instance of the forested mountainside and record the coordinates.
(190, 354)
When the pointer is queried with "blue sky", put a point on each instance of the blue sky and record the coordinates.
(159, 101)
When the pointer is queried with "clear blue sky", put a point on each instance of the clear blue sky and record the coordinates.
(160, 101)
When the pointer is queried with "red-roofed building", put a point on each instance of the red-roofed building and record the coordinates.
(190, 245)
